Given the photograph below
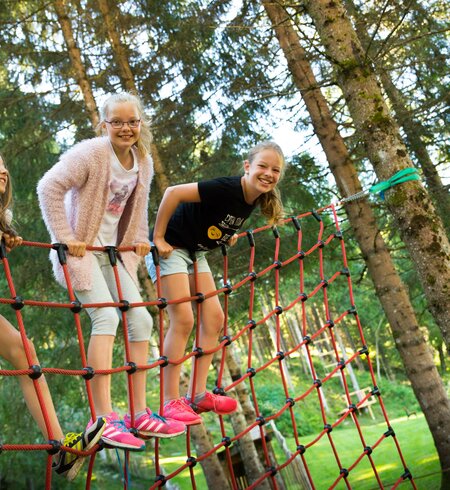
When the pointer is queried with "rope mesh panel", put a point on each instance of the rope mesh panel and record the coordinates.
(265, 315)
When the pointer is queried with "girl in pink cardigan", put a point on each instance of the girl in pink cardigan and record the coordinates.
(97, 195)
(12, 349)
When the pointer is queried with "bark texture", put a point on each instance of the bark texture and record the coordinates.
(420, 227)
(78, 69)
(416, 355)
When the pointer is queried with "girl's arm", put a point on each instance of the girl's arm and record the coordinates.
(173, 196)
(52, 188)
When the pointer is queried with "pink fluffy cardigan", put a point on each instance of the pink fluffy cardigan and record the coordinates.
(72, 196)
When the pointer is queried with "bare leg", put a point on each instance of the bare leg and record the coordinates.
(211, 323)
(100, 357)
(12, 349)
(181, 321)
(139, 355)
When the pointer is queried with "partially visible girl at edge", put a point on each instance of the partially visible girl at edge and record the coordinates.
(198, 217)
(97, 195)
(13, 350)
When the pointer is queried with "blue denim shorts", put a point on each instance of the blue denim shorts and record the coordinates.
(179, 262)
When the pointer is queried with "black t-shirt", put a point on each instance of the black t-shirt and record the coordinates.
(207, 224)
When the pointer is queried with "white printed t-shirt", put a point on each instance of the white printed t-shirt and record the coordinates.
(121, 186)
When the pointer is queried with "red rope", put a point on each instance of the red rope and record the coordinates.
(256, 323)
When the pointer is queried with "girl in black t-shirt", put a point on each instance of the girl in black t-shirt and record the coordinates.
(198, 217)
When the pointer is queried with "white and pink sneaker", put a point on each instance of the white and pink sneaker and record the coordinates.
(117, 435)
(151, 424)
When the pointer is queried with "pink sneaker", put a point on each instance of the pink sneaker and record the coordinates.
(219, 404)
(151, 424)
(117, 435)
(178, 410)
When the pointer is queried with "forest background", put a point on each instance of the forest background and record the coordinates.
(353, 91)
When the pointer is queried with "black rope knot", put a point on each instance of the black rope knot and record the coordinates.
(200, 297)
(368, 450)
(18, 303)
(89, 372)
(76, 306)
(251, 238)
(252, 275)
(133, 367)
(363, 351)
(280, 355)
(61, 252)
(162, 479)
(327, 428)
(343, 471)
(228, 288)
(56, 446)
(162, 303)
(165, 361)
(37, 371)
(124, 305)
(112, 254)
(278, 264)
(191, 461)
(296, 223)
(389, 432)
(226, 441)
(226, 338)
(301, 449)
(252, 324)
(198, 351)
(219, 391)
(251, 371)
(407, 475)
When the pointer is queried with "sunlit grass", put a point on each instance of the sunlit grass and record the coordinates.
(415, 442)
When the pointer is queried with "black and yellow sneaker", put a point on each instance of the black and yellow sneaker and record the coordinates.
(69, 464)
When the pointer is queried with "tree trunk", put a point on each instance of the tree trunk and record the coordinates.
(212, 469)
(244, 417)
(79, 72)
(416, 356)
(420, 227)
(412, 127)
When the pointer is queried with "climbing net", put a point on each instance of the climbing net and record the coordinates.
(295, 336)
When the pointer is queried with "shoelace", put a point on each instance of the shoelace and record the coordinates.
(184, 406)
(119, 425)
(158, 417)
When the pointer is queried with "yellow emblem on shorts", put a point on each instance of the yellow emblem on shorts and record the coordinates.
(214, 233)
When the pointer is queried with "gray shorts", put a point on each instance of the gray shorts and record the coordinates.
(179, 262)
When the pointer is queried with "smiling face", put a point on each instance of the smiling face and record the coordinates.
(4, 176)
(124, 138)
(263, 172)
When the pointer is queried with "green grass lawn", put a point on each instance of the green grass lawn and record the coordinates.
(415, 442)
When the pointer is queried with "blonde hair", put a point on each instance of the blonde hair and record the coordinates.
(145, 139)
(270, 202)
(5, 203)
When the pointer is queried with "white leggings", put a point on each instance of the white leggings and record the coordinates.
(105, 320)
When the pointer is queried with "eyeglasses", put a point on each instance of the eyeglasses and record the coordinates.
(116, 124)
